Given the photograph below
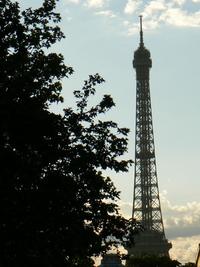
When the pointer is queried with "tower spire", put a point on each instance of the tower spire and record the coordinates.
(141, 32)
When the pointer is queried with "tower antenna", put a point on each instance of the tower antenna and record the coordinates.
(141, 32)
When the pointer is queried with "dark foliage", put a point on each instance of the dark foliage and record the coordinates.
(57, 207)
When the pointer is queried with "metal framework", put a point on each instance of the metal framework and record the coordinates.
(146, 201)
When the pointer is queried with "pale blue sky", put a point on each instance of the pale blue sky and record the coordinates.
(101, 37)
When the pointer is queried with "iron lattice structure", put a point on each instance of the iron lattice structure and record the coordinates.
(146, 201)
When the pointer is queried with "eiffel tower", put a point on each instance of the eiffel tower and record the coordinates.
(146, 200)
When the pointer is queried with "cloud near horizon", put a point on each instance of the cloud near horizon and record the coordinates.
(181, 224)
(185, 249)
(179, 220)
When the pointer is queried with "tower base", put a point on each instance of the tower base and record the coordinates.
(149, 243)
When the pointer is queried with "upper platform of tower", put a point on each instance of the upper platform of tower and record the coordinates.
(142, 56)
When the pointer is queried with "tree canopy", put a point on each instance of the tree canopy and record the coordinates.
(58, 208)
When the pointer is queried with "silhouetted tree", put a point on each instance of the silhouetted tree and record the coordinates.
(58, 208)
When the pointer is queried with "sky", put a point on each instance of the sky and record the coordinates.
(101, 36)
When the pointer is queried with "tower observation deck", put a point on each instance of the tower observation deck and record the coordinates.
(146, 200)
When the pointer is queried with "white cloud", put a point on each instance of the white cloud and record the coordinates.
(74, 1)
(180, 2)
(171, 13)
(151, 24)
(95, 3)
(155, 13)
(132, 6)
(181, 18)
(180, 220)
(161, 12)
(153, 8)
(106, 13)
